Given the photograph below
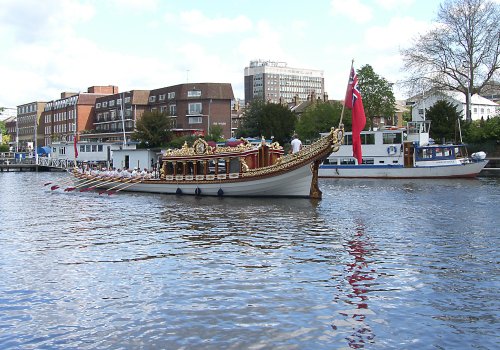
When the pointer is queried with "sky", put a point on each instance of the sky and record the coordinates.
(51, 46)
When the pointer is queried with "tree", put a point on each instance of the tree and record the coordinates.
(461, 53)
(480, 131)
(267, 119)
(153, 129)
(3, 128)
(215, 133)
(376, 91)
(443, 116)
(320, 117)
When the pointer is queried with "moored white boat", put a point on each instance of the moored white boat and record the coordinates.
(247, 170)
(402, 153)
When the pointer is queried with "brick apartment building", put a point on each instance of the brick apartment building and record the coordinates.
(195, 107)
(73, 113)
(115, 116)
(27, 128)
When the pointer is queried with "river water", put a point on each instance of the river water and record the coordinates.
(375, 264)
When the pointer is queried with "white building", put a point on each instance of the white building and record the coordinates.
(136, 158)
(480, 106)
(276, 82)
(96, 152)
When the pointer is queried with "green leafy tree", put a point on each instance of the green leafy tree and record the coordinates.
(3, 128)
(443, 116)
(480, 131)
(153, 129)
(320, 117)
(376, 91)
(178, 142)
(5, 139)
(215, 133)
(267, 119)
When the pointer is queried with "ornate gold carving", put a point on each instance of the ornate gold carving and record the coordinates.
(244, 165)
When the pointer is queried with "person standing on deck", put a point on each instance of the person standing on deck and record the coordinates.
(296, 144)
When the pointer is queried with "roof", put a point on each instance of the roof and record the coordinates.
(475, 99)
(218, 91)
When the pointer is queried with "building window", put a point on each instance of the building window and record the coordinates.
(172, 110)
(161, 97)
(194, 93)
(98, 105)
(171, 95)
(111, 103)
(105, 104)
(127, 99)
(195, 120)
(152, 98)
(194, 108)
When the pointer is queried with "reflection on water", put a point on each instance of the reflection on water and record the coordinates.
(360, 277)
(375, 264)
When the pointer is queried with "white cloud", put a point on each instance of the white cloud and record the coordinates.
(398, 32)
(42, 20)
(265, 44)
(353, 9)
(197, 23)
(136, 5)
(392, 4)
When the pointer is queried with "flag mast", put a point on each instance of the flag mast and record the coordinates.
(343, 104)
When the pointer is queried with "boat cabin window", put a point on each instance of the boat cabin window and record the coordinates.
(366, 139)
(348, 140)
(424, 153)
(368, 161)
(392, 137)
(459, 152)
(443, 152)
(347, 161)
(330, 161)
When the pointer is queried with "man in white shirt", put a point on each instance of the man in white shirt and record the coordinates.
(296, 144)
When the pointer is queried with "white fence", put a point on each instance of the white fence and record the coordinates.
(56, 163)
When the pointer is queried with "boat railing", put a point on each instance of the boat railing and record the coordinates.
(208, 177)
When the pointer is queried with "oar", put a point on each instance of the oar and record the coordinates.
(102, 181)
(55, 187)
(63, 182)
(109, 189)
(124, 187)
(81, 184)
(97, 180)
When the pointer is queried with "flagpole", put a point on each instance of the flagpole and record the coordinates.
(75, 135)
(343, 104)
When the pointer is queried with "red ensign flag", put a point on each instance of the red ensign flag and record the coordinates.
(75, 140)
(354, 102)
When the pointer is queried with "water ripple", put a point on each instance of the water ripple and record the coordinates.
(375, 264)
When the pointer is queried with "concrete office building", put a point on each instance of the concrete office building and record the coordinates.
(276, 82)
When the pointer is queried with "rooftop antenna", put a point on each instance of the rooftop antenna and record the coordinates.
(187, 76)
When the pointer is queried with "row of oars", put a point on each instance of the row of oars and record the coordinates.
(84, 185)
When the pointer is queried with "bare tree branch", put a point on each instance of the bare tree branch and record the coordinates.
(462, 52)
